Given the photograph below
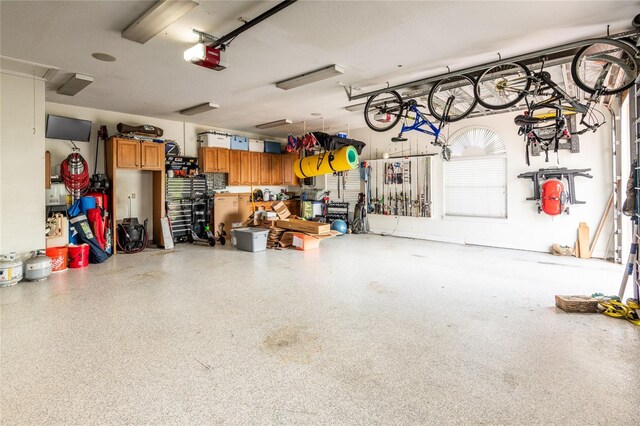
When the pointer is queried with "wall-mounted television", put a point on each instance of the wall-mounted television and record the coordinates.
(70, 129)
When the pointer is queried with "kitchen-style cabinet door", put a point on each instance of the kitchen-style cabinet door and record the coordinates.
(208, 159)
(289, 177)
(265, 169)
(235, 169)
(128, 154)
(222, 160)
(256, 165)
(276, 169)
(152, 156)
(245, 168)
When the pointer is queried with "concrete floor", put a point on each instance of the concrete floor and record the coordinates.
(365, 330)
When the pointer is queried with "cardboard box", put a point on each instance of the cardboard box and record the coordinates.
(304, 242)
(281, 210)
(244, 206)
(256, 145)
(305, 226)
(225, 211)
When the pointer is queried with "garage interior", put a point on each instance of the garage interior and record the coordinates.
(237, 238)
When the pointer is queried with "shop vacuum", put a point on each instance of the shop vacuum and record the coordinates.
(132, 236)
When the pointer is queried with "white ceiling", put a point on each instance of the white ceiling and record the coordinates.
(369, 39)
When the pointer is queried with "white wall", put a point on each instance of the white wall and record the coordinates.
(130, 181)
(524, 228)
(22, 211)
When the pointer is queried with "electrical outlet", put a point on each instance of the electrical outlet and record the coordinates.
(133, 195)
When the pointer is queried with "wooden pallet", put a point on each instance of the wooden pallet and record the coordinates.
(579, 304)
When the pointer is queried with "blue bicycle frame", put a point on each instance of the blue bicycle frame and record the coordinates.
(419, 121)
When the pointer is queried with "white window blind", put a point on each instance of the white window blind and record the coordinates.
(476, 187)
(475, 179)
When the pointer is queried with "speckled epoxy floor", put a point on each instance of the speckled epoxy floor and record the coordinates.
(365, 330)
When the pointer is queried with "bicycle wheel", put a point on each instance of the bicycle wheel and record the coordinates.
(503, 86)
(458, 88)
(608, 65)
(383, 111)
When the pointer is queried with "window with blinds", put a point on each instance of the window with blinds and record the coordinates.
(475, 180)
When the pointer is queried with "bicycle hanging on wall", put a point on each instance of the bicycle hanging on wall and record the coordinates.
(448, 101)
(605, 67)
(602, 67)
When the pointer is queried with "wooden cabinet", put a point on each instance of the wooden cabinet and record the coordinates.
(245, 168)
(152, 156)
(127, 153)
(214, 160)
(289, 177)
(265, 169)
(133, 154)
(256, 158)
(276, 169)
(223, 160)
(249, 168)
(235, 169)
(143, 156)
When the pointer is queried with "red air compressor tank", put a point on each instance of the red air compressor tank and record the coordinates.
(553, 197)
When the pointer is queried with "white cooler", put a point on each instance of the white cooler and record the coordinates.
(256, 145)
(212, 140)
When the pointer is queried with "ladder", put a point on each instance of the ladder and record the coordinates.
(633, 265)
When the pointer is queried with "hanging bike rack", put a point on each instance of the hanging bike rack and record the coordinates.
(552, 56)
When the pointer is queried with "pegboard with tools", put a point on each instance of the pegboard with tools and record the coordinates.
(400, 186)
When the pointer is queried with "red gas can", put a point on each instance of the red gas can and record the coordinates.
(553, 197)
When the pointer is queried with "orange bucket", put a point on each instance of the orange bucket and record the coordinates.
(78, 256)
(58, 257)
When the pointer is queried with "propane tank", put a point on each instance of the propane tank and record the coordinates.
(10, 269)
(38, 268)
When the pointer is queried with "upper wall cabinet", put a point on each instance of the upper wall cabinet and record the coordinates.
(213, 160)
(133, 154)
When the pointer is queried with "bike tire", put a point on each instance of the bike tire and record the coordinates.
(461, 89)
(589, 59)
(387, 104)
(502, 86)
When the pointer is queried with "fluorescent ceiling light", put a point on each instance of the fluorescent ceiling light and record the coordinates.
(162, 14)
(76, 83)
(310, 77)
(198, 109)
(272, 124)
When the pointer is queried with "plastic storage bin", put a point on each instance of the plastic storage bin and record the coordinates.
(212, 140)
(251, 239)
(239, 142)
(256, 145)
(272, 147)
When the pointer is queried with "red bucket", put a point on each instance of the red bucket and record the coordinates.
(78, 256)
(58, 257)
